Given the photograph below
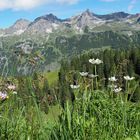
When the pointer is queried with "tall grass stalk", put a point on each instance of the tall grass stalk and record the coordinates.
(96, 117)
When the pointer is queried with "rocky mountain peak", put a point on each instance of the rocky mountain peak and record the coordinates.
(87, 13)
(49, 17)
(21, 24)
(50, 23)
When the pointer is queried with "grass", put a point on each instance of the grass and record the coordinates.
(96, 117)
(52, 77)
(92, 116)
(54, 112)
(20, 122)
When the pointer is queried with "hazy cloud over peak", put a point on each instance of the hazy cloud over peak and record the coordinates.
(131, 5)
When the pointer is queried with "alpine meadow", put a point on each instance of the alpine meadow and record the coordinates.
(69, 78)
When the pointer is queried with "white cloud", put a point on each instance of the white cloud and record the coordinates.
(29, 4)
(67, 1)
(108, 0)
(131, 5)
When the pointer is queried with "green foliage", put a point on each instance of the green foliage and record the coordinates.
(95, 116)
(92, 112)
(119, 63)
(52, 77)
(46, 54)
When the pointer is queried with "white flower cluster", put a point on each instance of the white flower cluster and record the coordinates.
(95, 61)
(128, 78)
(112, 79)
(117, 90)
(85, 74)
(74, 86)
(112, 86)
(92, 76)
(11, 87)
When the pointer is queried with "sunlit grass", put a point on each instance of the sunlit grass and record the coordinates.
(52, 77)
(96, 117)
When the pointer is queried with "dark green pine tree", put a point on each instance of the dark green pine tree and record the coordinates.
(138, 66)
(107, 66)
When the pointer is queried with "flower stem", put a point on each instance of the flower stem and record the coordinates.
(127, 90)
(96, 82)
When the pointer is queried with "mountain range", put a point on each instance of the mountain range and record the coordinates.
(50, 23)
(40, 45)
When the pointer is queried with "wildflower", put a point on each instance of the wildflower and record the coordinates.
(74, 86)
(3, 95)
(116, 90)
(92, 61)
(14, 92)
(112, 86)
(95, 61)
(92, 76)
(128, 78)
(112, 79)
(83, 74)
(11, 87)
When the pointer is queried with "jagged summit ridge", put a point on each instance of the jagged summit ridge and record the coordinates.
(50, 23)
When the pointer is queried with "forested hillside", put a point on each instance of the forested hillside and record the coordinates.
(43, 54)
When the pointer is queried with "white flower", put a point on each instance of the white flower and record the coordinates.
(11, 87)
(92, 76)
(14, 92)
(95, 61)
(83, 73)
(112, 86)
(74, 86)
(116, 90)
(3, 95)
(98, 61)
(128, 78)
(92, 61)
(112, 79)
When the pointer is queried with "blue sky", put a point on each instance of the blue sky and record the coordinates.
(11, 10)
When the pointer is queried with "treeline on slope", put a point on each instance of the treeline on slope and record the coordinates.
(79, 43)
(119, 63)
(53, 50)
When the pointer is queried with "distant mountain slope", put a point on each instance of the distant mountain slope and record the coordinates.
(31, 55)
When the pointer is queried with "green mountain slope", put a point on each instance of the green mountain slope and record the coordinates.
(45, 53)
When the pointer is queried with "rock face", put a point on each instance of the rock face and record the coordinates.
(86, 18)
(18, 28)
(50, 17)
(49, 23)
(44, 24)
(114, 16)
(138, 20)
